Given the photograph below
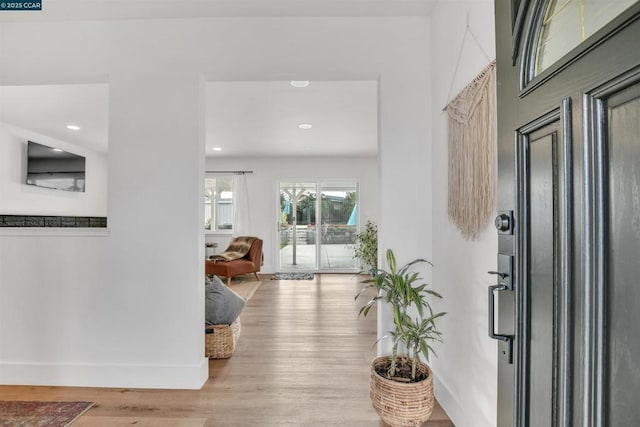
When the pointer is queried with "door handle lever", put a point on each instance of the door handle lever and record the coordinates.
(497, 273)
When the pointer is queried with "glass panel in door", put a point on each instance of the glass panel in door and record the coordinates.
(339, 225)
(298, 226)
(567, 23)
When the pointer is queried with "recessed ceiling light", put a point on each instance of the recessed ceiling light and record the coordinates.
(217, 149)
(305, 126)
(73, 127)
(57, 149)
(299, 83)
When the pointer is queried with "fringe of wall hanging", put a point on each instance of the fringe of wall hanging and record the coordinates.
(472, 154)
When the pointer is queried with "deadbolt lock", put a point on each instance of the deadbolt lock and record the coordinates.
(504, 222)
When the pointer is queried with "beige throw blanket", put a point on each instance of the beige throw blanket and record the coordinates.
(238, 248)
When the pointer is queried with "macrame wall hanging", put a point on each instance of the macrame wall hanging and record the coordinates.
(472, 154)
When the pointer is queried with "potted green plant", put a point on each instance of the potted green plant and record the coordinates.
(366, 247)
(401, 384)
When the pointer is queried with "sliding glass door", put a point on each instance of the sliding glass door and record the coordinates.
(318, 222)
(297, 226)
(339, 224)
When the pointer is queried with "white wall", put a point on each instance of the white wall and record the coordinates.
(404, 155)
(134, 298)
(262, 187)
(17, 198)
(116, 308)
(466, 369)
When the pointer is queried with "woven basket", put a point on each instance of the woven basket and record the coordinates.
(220, 340)
(402, 404)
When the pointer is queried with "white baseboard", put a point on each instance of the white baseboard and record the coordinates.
(102, 375)
(449, 403)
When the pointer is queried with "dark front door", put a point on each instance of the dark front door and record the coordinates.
(568, 296)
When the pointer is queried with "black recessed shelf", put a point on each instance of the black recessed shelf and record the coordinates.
(48, 221)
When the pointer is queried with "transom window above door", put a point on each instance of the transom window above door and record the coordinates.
(567, 23)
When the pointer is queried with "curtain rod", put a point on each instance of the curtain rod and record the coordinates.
(232, 172)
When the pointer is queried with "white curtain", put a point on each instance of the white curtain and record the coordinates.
(241, 223)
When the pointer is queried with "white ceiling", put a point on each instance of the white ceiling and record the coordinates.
(249, 118)
(263, 118)
(258, 118)
(48, 109)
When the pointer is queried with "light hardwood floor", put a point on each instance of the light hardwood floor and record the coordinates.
(302, 360)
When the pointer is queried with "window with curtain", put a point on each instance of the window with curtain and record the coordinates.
(218, 203)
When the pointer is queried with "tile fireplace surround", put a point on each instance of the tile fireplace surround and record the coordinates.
(49, 221)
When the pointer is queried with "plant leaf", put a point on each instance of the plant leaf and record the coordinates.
(434, 293)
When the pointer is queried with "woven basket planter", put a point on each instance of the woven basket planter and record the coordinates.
(401, 404)
(220, 340)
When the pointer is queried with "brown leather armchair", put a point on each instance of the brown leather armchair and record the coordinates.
(250, 263)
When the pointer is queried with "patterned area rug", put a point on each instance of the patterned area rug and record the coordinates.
(33, 413)
(292, 276)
